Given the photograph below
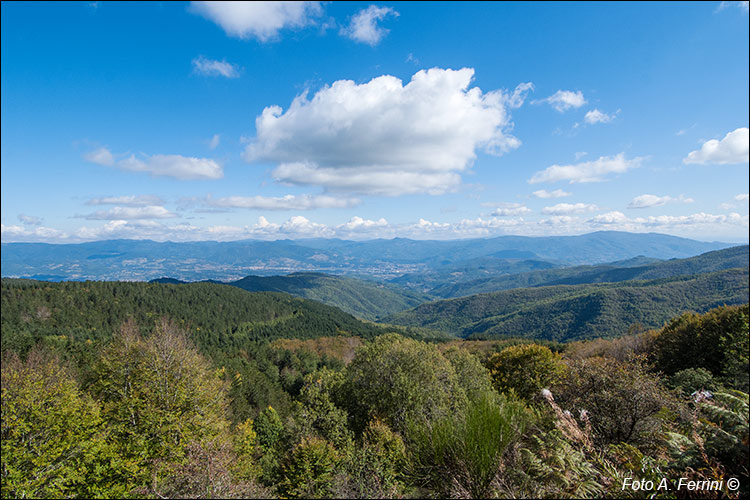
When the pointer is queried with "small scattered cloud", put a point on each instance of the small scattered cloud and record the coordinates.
(176, 166)
(650, 200)
(741, 198)
(358, 225)
(386, 138)
(732, 149)
(508, 209)
(412, 59)
(34, 233)
(544, 194)
(213, 143)
(259, 20)
(569, 208)
(695, 224)
(595, 116)
(131, 213)
(580, 154)
(608, 218)
(210, 67)
(742, 5)
(288, 202)
(101, 156)
(30, 220)
(685, 130)
(364, 26)
(563, 100)
(130, 201)
(590, 171)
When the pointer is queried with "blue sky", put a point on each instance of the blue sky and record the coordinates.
(194, 121)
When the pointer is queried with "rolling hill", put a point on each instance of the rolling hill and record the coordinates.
(633, 269)
(363, 299)
(217, 316)
(575, 312)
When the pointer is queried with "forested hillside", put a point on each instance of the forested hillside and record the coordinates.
(217, 316)
(364, 299)
(572, 312)
(729, 258)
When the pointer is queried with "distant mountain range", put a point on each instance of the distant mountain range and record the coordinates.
(143, 260)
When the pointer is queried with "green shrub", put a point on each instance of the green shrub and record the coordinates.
(716, 341)
(687, 381)
(463, 455)
(525, 369)
(396, 380)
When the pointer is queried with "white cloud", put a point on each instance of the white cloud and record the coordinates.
(386, 138)
(131, 213)
(508, 209)
(568, 208)
(131, 201)
(211, 67)
(179, 167)
(359, 225)
(595, 116)
(559, 221)
(610, 218)
(563, 100)
(260, 20)
(742, 198)
(696, 221)
(557, 193)
(700, 225)
(733, 148)
(30, 220)
(101, 156)
(214, 142)
(36, 233)
(742, 5)
(588, 171)
(651, 200)
(288, 202)
(364, 27)
(301, 226)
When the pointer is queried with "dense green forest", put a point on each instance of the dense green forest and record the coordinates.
(116, 390)
(573, 312)
(215, 315)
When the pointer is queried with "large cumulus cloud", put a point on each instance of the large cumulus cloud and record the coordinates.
(386, 138)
